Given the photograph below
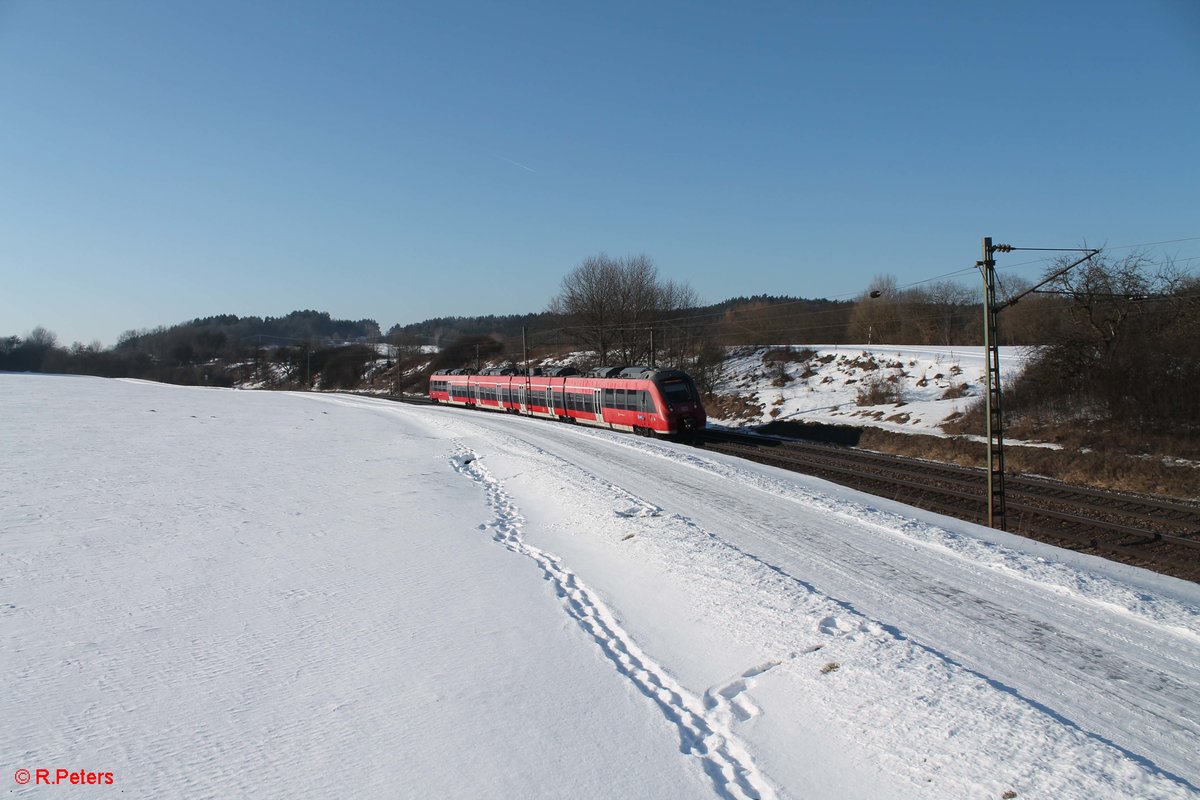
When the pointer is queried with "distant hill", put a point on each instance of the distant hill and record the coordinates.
(738, 320)
(213, 333)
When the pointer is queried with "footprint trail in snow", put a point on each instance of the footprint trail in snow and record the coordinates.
(704, 725)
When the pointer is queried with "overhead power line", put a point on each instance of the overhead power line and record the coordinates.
(1151, 244)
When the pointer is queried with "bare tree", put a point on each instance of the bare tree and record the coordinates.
(876, 315)
(948, 303)
(1128, 348)
(41, 337)
(613, 303)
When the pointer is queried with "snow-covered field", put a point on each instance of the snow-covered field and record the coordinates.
(823, 382)
(216, 593)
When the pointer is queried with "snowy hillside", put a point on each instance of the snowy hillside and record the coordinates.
(219, 593)
(823, 383)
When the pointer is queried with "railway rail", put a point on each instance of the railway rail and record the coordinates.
(1150, 532)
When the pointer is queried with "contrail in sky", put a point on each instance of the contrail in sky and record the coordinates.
(519, 164)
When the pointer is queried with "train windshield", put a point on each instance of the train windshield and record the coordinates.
(678, 390)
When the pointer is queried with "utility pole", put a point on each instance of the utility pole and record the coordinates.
(993, 408)
(398, 373)
(652, 348)
(525, 355)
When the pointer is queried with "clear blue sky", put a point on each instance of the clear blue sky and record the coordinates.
(162, 160)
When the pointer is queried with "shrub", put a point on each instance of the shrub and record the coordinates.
(877, 390)
(733, 407)
(786, 355)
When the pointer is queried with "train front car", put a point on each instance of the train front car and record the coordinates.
(680, 400)
(642, 400)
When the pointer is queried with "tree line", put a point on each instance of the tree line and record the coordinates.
(1117, 337)
(204, 351)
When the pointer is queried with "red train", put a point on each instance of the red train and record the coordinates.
(643, 400)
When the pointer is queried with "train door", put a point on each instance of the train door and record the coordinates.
(596, 403)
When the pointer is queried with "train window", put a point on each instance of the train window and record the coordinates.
(608, 398)
(677, 392)
(558, 399)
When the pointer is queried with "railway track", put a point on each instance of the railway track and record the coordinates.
(1145, 531)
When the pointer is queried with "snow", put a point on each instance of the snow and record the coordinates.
(824, 388)
(223, 593)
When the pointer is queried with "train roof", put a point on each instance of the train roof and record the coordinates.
(621, 373)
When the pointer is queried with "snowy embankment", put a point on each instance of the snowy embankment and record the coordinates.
(822, 383)
(223, 593)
